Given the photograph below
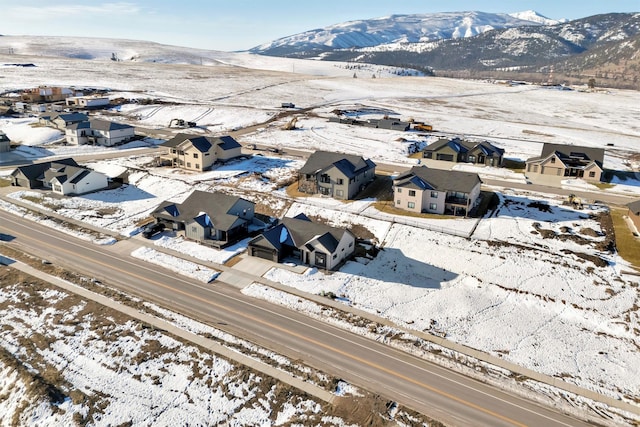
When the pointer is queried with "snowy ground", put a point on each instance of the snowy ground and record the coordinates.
(528, 273)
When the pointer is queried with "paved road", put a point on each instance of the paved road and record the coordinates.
(415, 383)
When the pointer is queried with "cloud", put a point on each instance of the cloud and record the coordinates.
(56, 11)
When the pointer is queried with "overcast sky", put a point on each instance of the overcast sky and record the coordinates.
(242, 24)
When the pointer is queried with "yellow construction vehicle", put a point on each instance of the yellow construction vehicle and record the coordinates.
(291, 125)
(575, 201)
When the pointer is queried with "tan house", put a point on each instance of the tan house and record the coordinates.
(199, 153)
(426, 190)
(99, 132)
(634, 213)
(310, 243)
(559, 162)
(337, 175)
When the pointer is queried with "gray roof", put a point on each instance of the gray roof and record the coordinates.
(588, 153)
(634, 207)
(424, 178)
(69, 117)
(200, 142)
(36, 170)
(462, 146)
(64, 172)
(349, 164)
(215, 205)
(107, 125)
(297, 232)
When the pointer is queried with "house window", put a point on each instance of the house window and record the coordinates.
(434, 194)
(173, 151)
(195, 155)
(553, 160)
(325, 191)
(339, 193)
(398, 202)
(188, 164)
(412, 193)
(411, 205)
(325, 178)
(433, 207)
(340, 181)
(399, 190)
(535, 168)
(592, 174)
(335, 256)
(180, 152)
(197, 165)
(471, 158)
(194, 229)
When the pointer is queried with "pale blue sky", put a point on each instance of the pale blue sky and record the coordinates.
(242, 24)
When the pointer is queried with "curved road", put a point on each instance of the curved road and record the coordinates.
(427, 388)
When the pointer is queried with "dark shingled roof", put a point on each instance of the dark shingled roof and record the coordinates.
(37, 170)
(586, 153)
(226, 142)
(107, 125)
(424, 178)
(349, 164)
(634, 207)
(200, 142)
(215, 205)
(297, 232)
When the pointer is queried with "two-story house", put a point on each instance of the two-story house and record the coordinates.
(99, 132)
(306, 241)
(426, 190)
(338, 175)
(457, 150)
(199, 153)
(558, 162)
(62, 120)
(214, 219)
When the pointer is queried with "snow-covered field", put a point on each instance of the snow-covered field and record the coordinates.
(527, 287)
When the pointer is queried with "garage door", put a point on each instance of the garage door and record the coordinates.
(263, 253)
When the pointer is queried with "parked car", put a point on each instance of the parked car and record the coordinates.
(152, 229)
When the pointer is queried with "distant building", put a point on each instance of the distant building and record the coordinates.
(426, 190)
(308, 242)
(338, 175)
(99, 132)
(91, 101)
(45, 94)
(5, 143)
(62, 120)
(197, 152)
(457, 150)
(558, 162)
(634, 213)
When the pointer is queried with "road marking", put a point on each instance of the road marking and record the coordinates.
(287, 331)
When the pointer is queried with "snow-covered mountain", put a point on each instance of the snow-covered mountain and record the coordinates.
(397, 29)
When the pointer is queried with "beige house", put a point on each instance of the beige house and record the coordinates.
(634, 213)
(198, 153)
(559, 162)
(310, 243)
(426, 190)
(337, 175)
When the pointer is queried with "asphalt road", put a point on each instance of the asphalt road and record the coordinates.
(427, 388)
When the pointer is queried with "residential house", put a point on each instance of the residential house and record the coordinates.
(198, 153)
(558, 162)
(426, 190)
(338, 175)
(72, 180)
(457, 150)
(5, 143)
(32, 176)
(62, 120)
(99, 132)
(634, 213)
(62, 176)
(308, 242)
(45, 94)
(214, 219)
